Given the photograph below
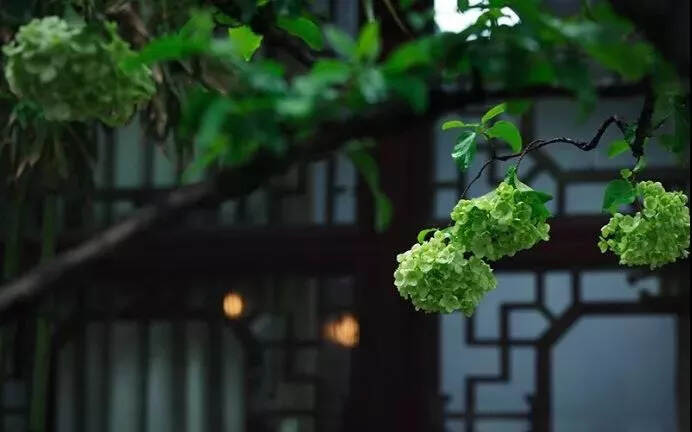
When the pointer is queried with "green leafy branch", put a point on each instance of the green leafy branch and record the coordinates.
(357, 151)
(465, 149)
(617, 192)
(251, 117)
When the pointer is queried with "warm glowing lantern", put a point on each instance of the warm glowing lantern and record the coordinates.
(344, 331)
(233, 305)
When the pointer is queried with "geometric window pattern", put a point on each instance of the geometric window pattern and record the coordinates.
(525, 360)
(538, 352)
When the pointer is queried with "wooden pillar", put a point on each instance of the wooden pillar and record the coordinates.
(394, 377)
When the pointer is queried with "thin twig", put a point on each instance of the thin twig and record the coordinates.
(527, 149)
(369, 11)
(397, 18)
(537, 144)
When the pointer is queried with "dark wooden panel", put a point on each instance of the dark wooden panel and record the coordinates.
(322, 251)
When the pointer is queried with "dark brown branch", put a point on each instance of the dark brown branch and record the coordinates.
(36, 281)
(397, 19)
(644, 122)
(644, 128)
(235, 182)
(537, 144)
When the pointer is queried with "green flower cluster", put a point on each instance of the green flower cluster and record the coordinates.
(447, 272)
(500, 223)
(74, 73)
(658, 234)
(437, 277)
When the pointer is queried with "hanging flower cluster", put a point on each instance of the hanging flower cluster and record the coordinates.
(500, 223)
(74, 73)
(436, 276)
(447, 272)
(658, 234)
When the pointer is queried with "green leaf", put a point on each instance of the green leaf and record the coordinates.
(671, 143)
(536, 199)
(193, 108)
(465, 150)
(452, 124)
(626, 173)
(368, 10)
(522, 187)
(494, 112)
(511, 175)
(225, 19)
(71, 16)
(409, 55)
(630, 131)
(200, 26)
(617, 193)
(368, 47)
(295, 106)
(423, 233)
(541, 72)
(302, 28)
(641, 164)
(603, 13)
(331, 71)
(631, 61)
(617, 147)
(236, 152)
(383, 212)
(507, 132)
(518, 106)
(572, 73)
(245, 41)
(212, 122)
(419, 20)
(372, 85)
(543, 197)
(171, 47)
(340, 42)
(412, 89)
(367, 167)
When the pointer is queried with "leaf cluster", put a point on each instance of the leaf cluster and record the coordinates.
(467, 142)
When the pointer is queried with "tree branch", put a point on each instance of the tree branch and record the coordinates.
(644, 122)
(239, 181)
(37, 280)
(644, 128)
(537, 144)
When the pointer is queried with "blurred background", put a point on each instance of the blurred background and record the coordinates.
(277, 312)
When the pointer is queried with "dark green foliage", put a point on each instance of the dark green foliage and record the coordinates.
(229, 99)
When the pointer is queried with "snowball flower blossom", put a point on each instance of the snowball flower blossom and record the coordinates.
(656, 235)
(436, 276)
(74, 72)
(500, 223)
